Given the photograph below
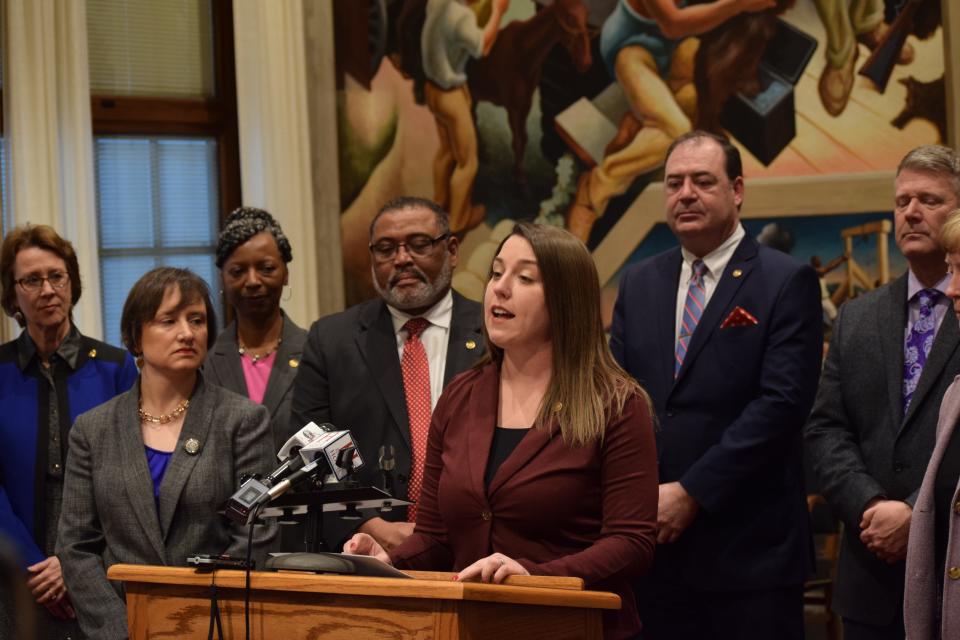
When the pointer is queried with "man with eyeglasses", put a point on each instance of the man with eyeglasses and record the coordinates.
(379, 367)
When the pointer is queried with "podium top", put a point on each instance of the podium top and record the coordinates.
(531, 590)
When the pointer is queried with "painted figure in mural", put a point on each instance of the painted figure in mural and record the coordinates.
(355, 366)
(847, 23)
(450, 37)
(731, 364)
(892, 356)
(643, 45)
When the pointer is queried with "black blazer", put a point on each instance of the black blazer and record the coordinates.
(863, 446)
(223, 367)
(730, 423)
(350, 376)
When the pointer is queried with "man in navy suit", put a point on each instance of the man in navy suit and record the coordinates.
(726, 337)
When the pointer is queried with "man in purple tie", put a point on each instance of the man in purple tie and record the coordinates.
(726, 337)
(872, 429)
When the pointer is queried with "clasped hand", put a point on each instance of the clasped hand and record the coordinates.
(47, 587)
(885, 527)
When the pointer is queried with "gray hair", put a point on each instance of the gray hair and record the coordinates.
(243, 224)
(934, 158)
(413, 202)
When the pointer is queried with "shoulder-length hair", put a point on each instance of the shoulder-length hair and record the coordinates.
(587, 387)
(43, 237)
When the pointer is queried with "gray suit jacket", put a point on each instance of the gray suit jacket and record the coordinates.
(223, 367)
(861, 444)
(109, 515)
(920, 597)
(350, 376)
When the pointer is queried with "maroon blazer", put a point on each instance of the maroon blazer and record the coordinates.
(588, 512)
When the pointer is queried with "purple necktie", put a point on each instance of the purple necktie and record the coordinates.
(692, 310)
(916, 348)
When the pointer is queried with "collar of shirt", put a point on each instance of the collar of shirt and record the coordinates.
(69, 349)
(914, 286)
(716, 260)
(439, 314)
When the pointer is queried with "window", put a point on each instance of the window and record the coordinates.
(165, 140)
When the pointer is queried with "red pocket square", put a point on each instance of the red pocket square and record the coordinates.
(739, 317)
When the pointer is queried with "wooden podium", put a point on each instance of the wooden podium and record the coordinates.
(173, 602)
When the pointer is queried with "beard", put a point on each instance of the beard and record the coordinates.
(424, 294)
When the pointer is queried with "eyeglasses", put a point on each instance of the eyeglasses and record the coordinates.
(419, 244)
(57, 280)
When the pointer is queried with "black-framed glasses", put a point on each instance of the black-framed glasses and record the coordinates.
(33, 283)
(419, 244)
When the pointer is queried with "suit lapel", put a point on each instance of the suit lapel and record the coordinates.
(891, 321)
(196, 425)
(666, 290)
(950, 415)
(944, 345)
(378, 347)
(484, 402)
(727, 287)
(466, 342)
(136, 473)
(283, 372)
(229, 366)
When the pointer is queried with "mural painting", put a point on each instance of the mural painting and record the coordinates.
(562, 111)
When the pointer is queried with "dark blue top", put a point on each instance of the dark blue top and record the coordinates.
(95, 372)
(157, 461)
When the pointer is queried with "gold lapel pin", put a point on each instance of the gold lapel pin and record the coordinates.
(737, 273)
(92, 353)
(294, 363)
(191, 446)
(471, 345)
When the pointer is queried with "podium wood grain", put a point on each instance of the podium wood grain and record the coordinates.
(174, 602)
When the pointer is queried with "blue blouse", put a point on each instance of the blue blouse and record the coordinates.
(157, 461)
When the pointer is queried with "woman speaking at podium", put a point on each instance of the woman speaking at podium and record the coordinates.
(148, 470)
(541, 460)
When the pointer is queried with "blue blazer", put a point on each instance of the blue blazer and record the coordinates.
(102, 372)
(730, 423)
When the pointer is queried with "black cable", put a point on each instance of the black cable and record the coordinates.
(214, 610)
(246, 595)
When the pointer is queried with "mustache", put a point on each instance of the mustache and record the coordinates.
(411, 271)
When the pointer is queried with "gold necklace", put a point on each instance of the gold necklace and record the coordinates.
(163, 418)
(242, 350)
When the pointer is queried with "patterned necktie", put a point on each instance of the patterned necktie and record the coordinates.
(916, 347)
(692, 310)
(416, 388)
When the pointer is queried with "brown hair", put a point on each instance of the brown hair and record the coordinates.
(587, 387)
(147, 294)
(43, 237)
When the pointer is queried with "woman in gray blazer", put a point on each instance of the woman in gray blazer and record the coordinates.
(931, 604)
(148, 471)
(257, 354)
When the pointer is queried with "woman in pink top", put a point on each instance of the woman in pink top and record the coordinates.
(258, 353)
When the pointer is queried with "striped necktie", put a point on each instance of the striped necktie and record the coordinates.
(692, 310)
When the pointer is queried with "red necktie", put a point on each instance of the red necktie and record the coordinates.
(416, 388)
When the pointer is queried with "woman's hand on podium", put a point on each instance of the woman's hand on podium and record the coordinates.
(363, 544)
(493, 568)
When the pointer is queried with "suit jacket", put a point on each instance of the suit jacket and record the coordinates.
(109, 515)
(863, 446)
(922, 574)
(350, 376)
(588, 512)
(223, 367)
(730, 422)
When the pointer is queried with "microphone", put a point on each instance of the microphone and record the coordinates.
(340, 451)
(327, 451)
(289, 454)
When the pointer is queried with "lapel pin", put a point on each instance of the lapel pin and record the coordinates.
(294, 363)
(92, 353)
(471, 345)
(191, 446)
(737, 273)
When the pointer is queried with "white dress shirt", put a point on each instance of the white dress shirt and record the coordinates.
(716, 262)
(434, 338)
